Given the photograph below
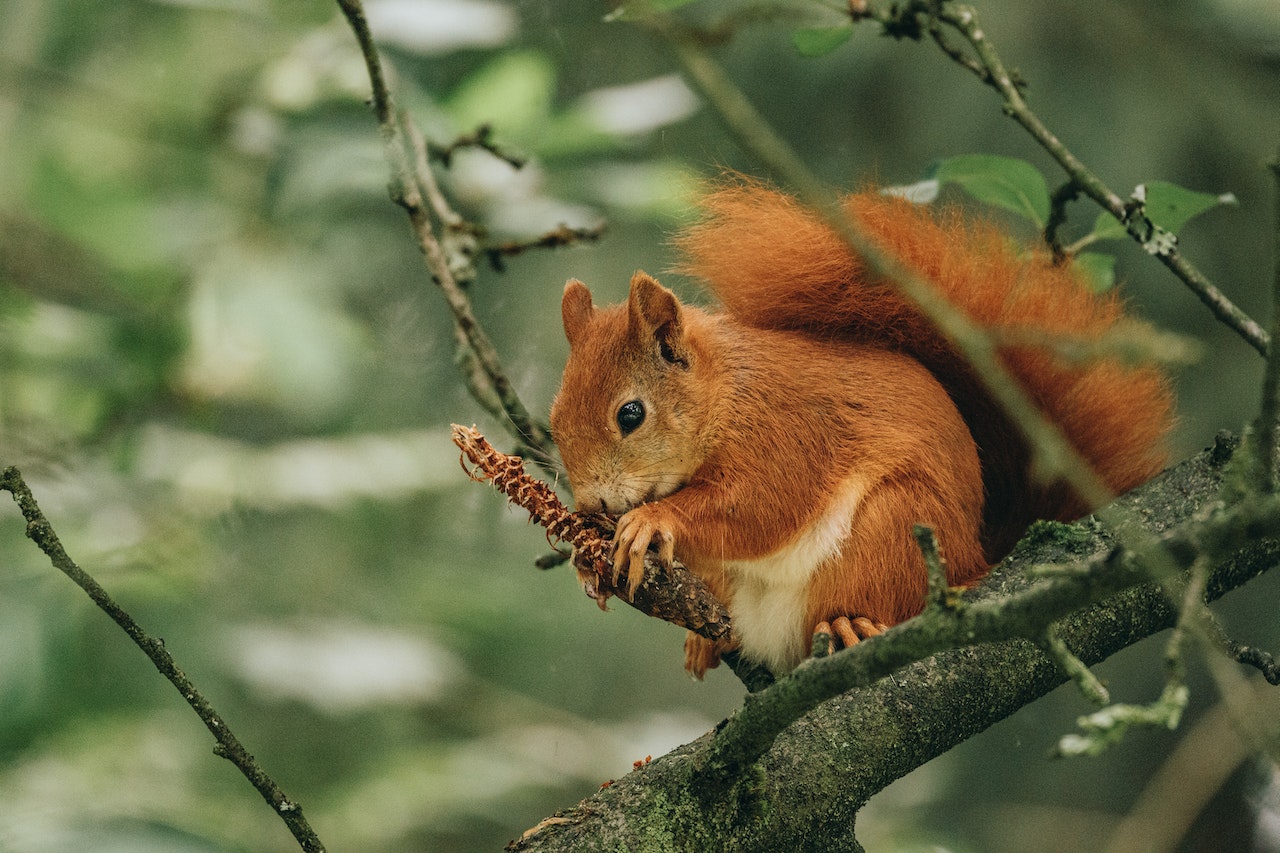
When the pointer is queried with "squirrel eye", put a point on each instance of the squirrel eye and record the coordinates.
(630, 416)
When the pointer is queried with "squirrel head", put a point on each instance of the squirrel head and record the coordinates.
(633, 404)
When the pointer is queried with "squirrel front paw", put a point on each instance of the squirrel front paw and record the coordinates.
(647, 523)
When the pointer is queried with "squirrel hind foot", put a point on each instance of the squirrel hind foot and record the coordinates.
(701, 654)
(844, 631)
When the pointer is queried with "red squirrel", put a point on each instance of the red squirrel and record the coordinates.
(783, 446)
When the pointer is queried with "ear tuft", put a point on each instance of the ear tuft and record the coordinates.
(575, 310)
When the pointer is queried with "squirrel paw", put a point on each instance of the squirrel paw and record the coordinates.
(590, 582)
(647, 523)
(845, 632)
(701, 654)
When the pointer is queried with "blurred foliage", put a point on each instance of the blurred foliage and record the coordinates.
(228, 378)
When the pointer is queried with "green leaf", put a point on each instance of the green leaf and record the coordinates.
(819, 41)
(1005, 182)
(1167, 205)
(1171, 206)
(1107, 227)
(1098, 268)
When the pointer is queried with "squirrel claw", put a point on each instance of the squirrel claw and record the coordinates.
(636, 530)
(845, 632)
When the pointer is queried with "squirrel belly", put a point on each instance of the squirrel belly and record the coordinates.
(784, 446)
(770, 595)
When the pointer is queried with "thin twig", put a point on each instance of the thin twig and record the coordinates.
(939, 594)
(1267, 432)
(354, 12)
(956, 54)
(40, 531)
(991, 70)
(1063, 195)
(1190, 611)
(481, 138)
(1074, 668)
(1261, 660)
(413, 187)
(555, 239)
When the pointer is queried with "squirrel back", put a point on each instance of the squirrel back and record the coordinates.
(773, 264)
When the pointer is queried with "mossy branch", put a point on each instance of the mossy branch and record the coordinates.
(807, 778)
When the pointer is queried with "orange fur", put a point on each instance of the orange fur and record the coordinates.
(789, 442)
(773, 264)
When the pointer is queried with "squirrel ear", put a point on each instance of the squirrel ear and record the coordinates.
(575, 310)
(655, 312)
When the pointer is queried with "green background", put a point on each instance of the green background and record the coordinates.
(229, 380)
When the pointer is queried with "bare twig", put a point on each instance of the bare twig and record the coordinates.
(1261, 660)
(1064, 194)
(555, 239)
(956, 54)
(414, 188)
(940, 593)
(1074, 668)
(482, 138)
(228, 745)
(381, 103)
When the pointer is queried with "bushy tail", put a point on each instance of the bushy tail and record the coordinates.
(773, 264)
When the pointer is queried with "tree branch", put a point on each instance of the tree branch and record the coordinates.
(228, 745)
(815, 776)
(990, 69)
(414, 188)
(1027, 610)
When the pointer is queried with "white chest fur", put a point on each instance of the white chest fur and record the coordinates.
(770, 594)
